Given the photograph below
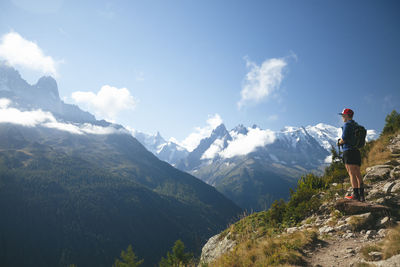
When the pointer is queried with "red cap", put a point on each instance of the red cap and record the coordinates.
(347, 111)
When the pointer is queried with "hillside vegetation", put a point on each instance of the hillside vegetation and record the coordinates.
(77, 199)
(285, 233)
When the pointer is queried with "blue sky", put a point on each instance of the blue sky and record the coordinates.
(172, 65)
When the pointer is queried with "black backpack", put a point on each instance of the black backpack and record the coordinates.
(360, 133)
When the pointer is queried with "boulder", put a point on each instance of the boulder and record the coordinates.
(388, 187)
(378, 172)
(351, 207)
(215, 247)
(395, 173)
(396, 187)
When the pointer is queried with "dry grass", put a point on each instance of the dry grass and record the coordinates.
(269, 251)
(370, 248)
(378, 153)
(358, 222)
(391, 243)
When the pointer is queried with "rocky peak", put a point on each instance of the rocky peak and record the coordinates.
(220, 131)
(240, 129)
(47, 86)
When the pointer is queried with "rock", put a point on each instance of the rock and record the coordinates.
(215, 247)
(384, 222)
(391, 262)
(374, 193)
(291, 230)
(395, 173)
(392, 162)
(376, 255)
(395, 149)
(357, 222)
(388, 187)
(378, 172)
(326, 229)
(350, 207)
(382, 232)
(348, 235)
(343, 227)
(396, 187)
(371, 232)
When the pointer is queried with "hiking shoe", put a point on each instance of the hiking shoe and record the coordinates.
(362, 197)
(352, 197)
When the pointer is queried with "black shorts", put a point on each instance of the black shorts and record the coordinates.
(352, 156)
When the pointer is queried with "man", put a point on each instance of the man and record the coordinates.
(351, 155)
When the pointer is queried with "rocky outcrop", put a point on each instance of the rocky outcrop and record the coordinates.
(215, 247)
(378, 172)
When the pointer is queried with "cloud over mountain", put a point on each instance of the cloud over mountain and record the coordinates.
(18, 51)
(108, 102)
(42, 118)
(193, 140)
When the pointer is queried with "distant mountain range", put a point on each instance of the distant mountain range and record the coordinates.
(75, 190)
(252, 166)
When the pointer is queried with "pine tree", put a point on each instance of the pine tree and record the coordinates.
(178, 257)
(128, 259)
(392, 123)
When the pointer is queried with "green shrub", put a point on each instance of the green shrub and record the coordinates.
(392, 124)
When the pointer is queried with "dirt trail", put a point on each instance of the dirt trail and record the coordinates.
(337, 251)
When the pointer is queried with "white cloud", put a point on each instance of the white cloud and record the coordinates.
(18, 51)
(108, 102)
(240, 144)
(244, 144)
(214, 149)
(38, 117)
(261, 81)
(193, 140)
(4, 102)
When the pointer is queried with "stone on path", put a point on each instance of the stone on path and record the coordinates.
(351, 207)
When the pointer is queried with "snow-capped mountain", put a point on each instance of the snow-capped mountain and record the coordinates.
(252, 166)
(327, 135)
(164, 150)
(308, 147)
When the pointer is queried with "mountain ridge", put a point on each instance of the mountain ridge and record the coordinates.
(80, 190)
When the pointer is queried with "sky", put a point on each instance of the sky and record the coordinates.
(183, 67)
